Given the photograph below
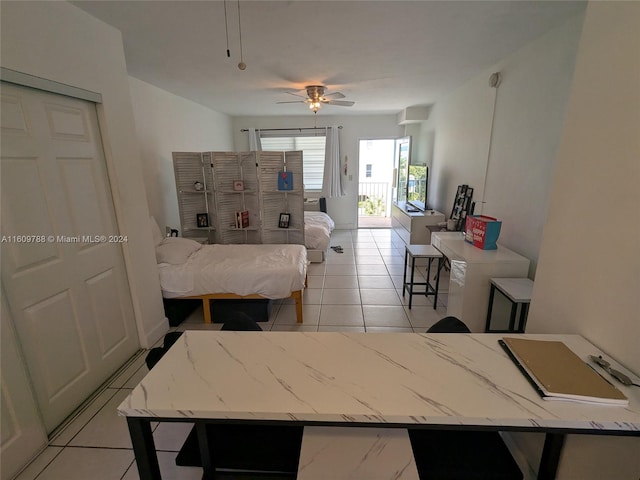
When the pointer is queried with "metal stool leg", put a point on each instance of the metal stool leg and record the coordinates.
(435, 298)
(404, 273)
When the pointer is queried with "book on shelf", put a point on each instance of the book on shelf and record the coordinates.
(242, 219)
(557, 373)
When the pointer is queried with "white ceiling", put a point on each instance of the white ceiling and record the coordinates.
(383, 55)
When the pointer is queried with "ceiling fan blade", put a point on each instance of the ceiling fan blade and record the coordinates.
(340, 103)
(335, 95)
(296, 94)
(294, 101)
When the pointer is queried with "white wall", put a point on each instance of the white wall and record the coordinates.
(458, 132)
(59, 42)
(166, 123)
(343, 210)
(520, 152)
(588, 279)
(589, 273)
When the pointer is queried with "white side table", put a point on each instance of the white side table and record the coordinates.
(518, 291)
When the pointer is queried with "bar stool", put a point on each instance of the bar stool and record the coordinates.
(518, 292)
(421, 251)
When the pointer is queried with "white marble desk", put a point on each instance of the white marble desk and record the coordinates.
(359, 379)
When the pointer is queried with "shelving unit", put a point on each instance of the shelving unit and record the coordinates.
(462, 206)
(229, 167)
(274, 202)
(189, 168)
(219, 200)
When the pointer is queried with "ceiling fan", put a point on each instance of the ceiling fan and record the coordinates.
(316, 97)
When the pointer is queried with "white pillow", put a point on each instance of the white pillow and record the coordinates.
(155, 232)
(176, 250)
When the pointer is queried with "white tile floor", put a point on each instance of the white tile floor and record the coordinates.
(359, 290)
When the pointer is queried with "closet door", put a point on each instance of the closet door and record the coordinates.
(62, 261)
(22, 432)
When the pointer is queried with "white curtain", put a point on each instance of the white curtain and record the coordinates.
(332, 172)
(254, 140)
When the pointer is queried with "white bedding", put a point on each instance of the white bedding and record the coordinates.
(317, 230)
(273, 271)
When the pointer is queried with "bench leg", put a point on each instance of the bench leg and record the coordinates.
(297, 296)
(206, 309)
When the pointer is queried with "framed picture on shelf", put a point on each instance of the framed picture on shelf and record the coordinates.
(462, 206)
(285, 181)
(238, 185)
(284, 220)
(202, 220)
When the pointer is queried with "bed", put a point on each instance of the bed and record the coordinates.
(189, 270)
(317, 234)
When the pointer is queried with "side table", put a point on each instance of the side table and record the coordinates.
(421, 251)
(518, 292)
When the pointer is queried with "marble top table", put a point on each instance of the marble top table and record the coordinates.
(358, 379)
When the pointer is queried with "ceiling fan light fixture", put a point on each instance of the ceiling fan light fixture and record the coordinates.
(316, 98)
(315, 105)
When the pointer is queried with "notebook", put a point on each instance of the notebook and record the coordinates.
(559, 374)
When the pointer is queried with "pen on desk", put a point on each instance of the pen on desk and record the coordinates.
(599, 374)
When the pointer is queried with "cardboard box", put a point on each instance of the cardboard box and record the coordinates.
(482, 231)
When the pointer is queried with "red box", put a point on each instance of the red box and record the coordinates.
(482, 231)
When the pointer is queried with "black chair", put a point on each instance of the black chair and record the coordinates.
(452, 455)
(449, 325)
(155, 354)
(246, 449)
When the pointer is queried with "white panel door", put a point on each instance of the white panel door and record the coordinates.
(23, 434)
(66, 286)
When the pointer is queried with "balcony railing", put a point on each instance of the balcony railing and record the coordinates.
(374, 199)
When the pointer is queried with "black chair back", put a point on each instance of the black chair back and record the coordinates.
(449, 325)
(155, 354)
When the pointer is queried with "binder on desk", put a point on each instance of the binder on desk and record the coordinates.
(559, 374)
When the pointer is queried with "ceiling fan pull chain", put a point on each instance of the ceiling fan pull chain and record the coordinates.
(226, 28)
(241, 65)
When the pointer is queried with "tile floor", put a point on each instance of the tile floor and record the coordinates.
(359, 290)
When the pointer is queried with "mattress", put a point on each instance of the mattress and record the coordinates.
(317, 230)
(273, 271)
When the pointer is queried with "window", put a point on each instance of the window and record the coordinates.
(312, 147)
(368, 171)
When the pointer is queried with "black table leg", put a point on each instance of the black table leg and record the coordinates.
(553, 444)
(209, 470)
(492, 292)
(512, 318)
(523, 317)
(143, 448)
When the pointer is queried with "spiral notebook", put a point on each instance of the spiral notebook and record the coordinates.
(559, 374)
